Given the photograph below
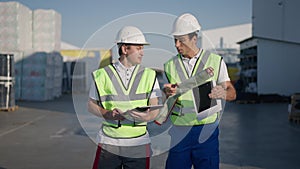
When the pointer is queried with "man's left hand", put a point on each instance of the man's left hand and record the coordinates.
(218, 92)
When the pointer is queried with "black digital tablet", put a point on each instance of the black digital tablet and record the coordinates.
(205, 106)
(151, 107)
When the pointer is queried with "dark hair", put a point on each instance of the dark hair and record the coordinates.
(191, 35)
(120, 47)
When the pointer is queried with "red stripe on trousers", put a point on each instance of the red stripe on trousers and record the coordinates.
(148, 156)
(98, 152)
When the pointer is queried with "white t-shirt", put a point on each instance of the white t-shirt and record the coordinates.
(190, 63)
(125, 74)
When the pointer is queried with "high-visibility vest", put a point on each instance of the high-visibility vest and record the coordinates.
(176, 73)
(113, 94)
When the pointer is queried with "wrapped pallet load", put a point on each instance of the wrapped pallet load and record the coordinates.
(15, 27)
(42, 76)
(46, 30)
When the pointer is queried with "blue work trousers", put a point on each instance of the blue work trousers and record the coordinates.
(196, 146)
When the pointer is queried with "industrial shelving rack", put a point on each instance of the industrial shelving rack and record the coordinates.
(248, 63)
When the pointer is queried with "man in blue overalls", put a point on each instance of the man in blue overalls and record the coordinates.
(194, 142)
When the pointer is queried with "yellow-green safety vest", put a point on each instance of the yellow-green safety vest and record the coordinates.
(113, 94)
(176, 73)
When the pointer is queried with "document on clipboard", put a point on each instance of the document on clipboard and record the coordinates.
(193, 82)
(205, 106)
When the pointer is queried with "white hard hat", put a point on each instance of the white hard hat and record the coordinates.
(132, 35)
(185, 24)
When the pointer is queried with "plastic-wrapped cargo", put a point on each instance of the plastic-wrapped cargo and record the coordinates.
(46, 30)
(31, 36)
(33, 58)
(58, 74)
(15, 27)
(36, 76)
(41, 76)
(58, 63)
(38, 64)
(38, 94)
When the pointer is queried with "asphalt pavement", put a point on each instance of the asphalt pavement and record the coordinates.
(59, 134)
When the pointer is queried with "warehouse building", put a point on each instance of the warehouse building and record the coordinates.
(270, 58)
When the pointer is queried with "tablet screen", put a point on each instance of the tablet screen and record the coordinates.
(202, 100)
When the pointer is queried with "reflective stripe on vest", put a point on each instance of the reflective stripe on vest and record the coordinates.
(113, 94)
(183, 112)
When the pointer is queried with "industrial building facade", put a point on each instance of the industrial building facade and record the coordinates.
(270, 58)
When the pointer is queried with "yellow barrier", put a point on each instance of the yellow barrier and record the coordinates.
(104, 54)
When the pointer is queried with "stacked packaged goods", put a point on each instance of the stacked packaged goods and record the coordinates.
(15, 27)
(41, 76)
(58, 74)
(46, 30)
(33, 37)
(36, 76)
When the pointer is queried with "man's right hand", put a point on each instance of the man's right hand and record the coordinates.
(170, 89)
(115, 114)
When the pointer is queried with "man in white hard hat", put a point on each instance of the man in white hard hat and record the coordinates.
(194, 141)
(118, 89)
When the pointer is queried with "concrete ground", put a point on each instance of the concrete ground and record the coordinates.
(54, 135)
